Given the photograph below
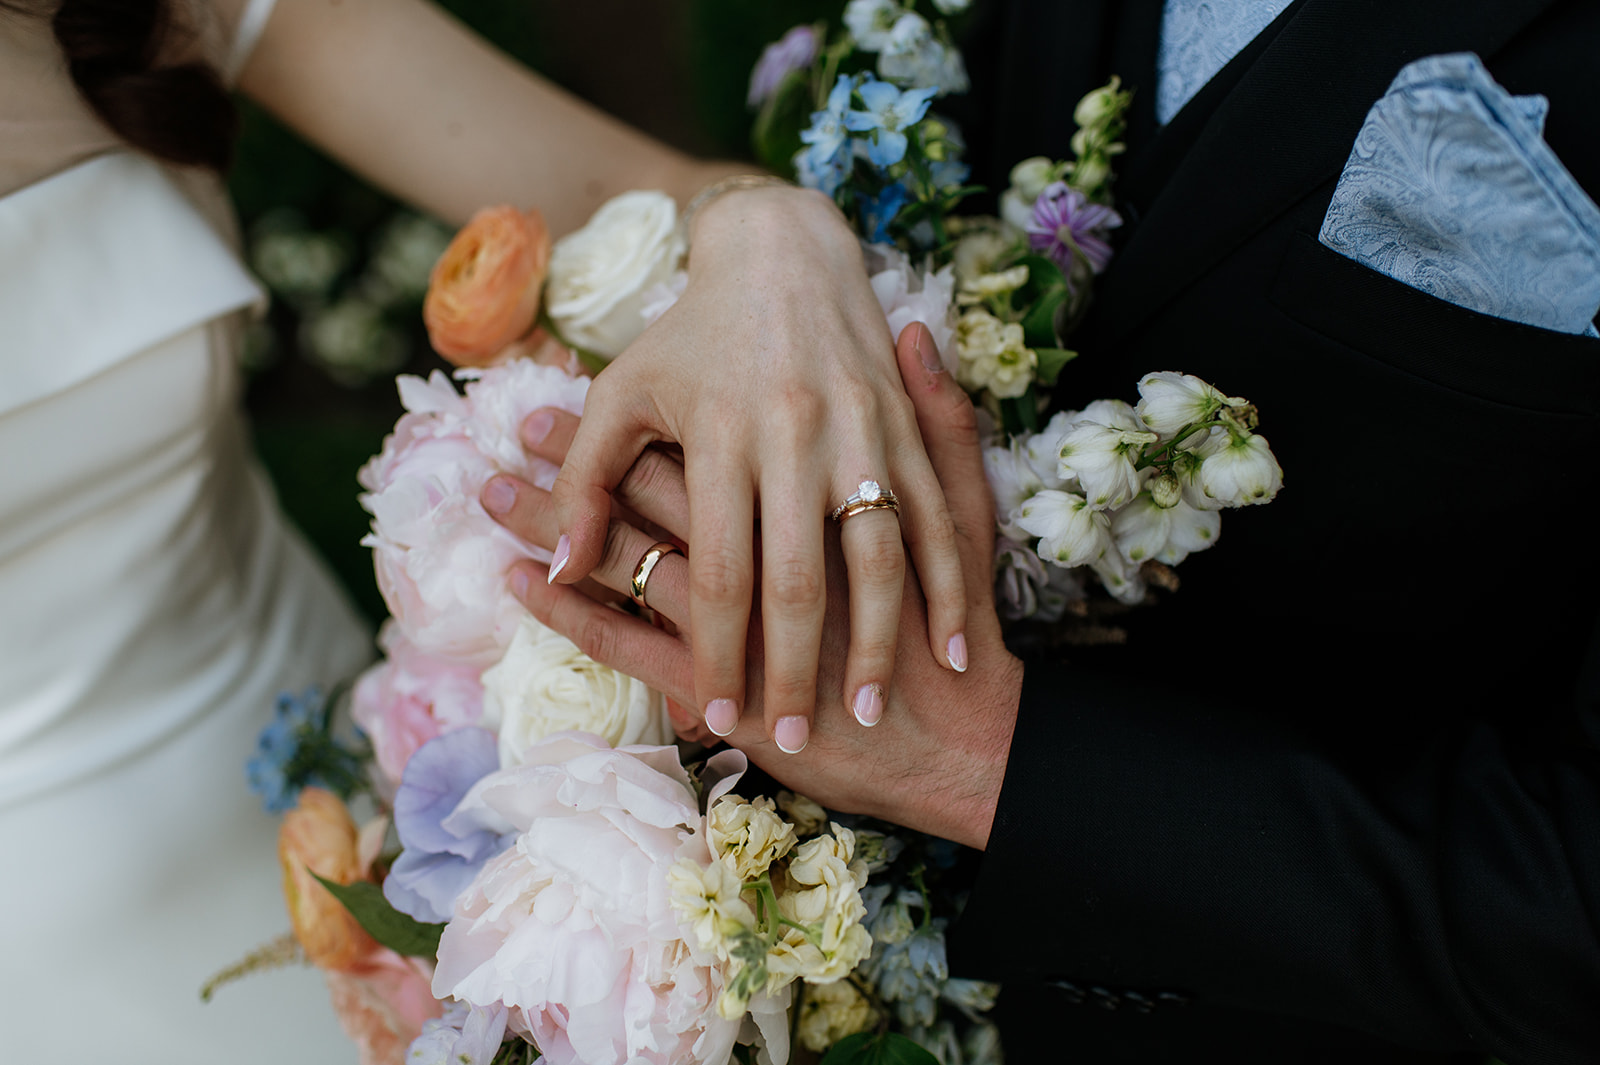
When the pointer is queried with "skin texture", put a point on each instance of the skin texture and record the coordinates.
(937, 759)
(775, 373)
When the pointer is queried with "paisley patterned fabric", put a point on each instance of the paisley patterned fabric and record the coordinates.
(1198, 38)
(1451, 189)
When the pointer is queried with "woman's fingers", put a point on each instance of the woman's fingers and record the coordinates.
(793, 602)
(949, 426)
(609, 438)
(721, 580)
(875, 562)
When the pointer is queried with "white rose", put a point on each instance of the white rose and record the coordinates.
(545, 685)
(599, 275)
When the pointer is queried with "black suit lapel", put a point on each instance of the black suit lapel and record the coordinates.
(1284, 129)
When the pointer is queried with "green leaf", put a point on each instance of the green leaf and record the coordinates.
(776, 133)
(1021, 415)
(1051, 360)
(1043, 295)
(391, 928)
(869, 1048)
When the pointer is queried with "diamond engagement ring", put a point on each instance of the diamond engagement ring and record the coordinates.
(869, 495)
(647, 564)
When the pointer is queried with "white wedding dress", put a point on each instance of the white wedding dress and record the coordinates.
(152, 604)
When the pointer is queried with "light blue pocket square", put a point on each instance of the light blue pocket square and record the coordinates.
(1451, 189)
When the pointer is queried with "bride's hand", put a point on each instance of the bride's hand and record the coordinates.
(776, 374)
(937, 761)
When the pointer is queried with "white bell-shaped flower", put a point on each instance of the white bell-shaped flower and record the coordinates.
(1102, 458)
(1239, 469)
(1012, 481)
(1070, 532)
(1120, 577)
(1043, 451)
(1189, 530)
(1169, 401)
(1140, 529)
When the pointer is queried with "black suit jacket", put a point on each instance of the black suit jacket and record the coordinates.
(1339, 796)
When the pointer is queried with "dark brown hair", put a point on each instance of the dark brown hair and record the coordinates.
(116, 51)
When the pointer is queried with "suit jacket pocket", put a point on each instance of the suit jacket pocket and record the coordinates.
(1457, 349)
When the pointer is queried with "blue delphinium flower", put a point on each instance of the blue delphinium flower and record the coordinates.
(880, 210)
(270, 770)
(825, 162)
(889, 112)
(442, 853)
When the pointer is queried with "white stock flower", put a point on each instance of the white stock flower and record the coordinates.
(830, 1012)
(980, 250)
(911, 56)
(1237, 470)
(545, 685)
(871, 21)
(1071, 533)
(708, 900)
(599, 275)
(997, 283)
(1101, 457)
(993, 355)
(806, 815)
(1169, 401)
(1191, 530)
(748, 835)
(1029, 178)
(823, 890)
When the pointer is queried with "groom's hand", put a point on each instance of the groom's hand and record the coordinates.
(937, 758)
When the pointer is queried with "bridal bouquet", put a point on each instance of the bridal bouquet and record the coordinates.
(541, 872)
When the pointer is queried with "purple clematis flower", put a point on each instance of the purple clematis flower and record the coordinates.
(1067, 228)
(793, 51)
(440, 861)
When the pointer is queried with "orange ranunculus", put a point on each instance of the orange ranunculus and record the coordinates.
(484, 290)
(382, 1002)
(318, 836)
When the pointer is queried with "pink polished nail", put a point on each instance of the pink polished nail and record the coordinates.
(722, 717)
(537, 426)
(956, 652)
(792, 734)
(499, 496)
(868, 706)
(562, 556)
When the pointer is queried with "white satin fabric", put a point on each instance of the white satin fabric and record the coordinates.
(152, 604)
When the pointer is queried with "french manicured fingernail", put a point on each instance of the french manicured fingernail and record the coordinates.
(559, 561)
(722, 717)
(956, 652)
(868, 706)
(499, 496)
(537, 426)
(519, 584)
(792, 734)
(928, 353)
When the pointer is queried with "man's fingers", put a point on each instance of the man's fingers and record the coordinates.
(609, 438)
(949, 427)
(548, 433)
(610, 637)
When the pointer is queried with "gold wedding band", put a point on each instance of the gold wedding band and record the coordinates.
(869, 495)
(646, 566)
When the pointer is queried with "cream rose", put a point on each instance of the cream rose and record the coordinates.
(545, 685)
(599, 276)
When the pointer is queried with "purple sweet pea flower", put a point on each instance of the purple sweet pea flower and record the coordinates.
(794, 51)
(439, 862)
(1066, 227)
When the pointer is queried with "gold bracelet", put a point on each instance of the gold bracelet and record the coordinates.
(736, 183)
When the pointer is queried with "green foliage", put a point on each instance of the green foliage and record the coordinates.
(1051, 360)
(391, 928)
(877, 1048)
(1043, 295)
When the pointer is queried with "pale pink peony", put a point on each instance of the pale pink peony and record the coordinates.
(441, 560)
(381, 1003)
(409, 698)
(908, 295)
(572, 927)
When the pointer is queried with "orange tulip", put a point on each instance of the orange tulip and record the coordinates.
(484, 291)
(318, 836)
